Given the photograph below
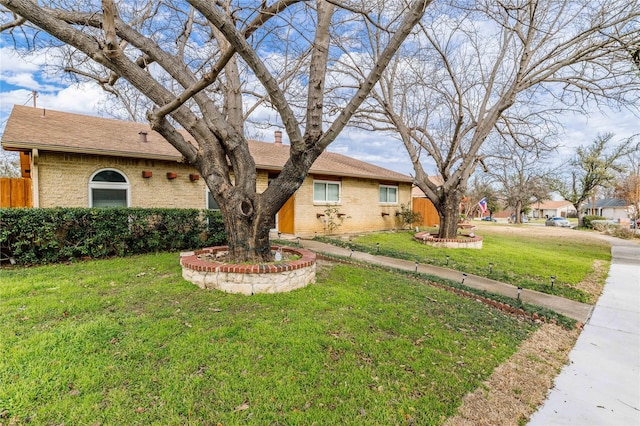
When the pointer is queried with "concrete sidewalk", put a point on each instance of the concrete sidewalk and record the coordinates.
(569, 308)
(601, 383)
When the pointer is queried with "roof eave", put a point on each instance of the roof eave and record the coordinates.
(334, 173)
(25, 146)
(361, 176)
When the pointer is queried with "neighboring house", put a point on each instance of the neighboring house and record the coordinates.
(610, 208)
(77, 160)
(547, 209)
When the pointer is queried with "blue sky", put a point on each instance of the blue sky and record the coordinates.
(19, 76)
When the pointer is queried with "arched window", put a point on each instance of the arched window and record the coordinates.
(108, 188)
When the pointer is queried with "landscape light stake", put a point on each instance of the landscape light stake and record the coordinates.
(298, 240)
(490, 267)
(553, 280)
(463, 277)
(519, 291)
(377, 247)
(447, 260)
(416, 266)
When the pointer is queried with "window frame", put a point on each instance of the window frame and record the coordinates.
(109, 185)
(326, 184)
(208, 192)
(386, 186)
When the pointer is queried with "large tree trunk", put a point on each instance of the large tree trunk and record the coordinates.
(518, 208)
(449, 213)
(248, 216)
(247, 226)
(581, 216)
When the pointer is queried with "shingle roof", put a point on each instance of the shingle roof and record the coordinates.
(608, 202)
(49, 130)
(552, 204)
(417, 192)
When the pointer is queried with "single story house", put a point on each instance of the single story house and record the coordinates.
(610, 208)
(562, 208)
(76, 160)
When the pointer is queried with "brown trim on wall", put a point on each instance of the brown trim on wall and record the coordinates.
(326, 177)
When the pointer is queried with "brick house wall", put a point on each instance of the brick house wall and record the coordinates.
(63, 181)
(359, 202)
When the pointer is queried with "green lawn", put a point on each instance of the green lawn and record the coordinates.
(127, 341)
(524, 259)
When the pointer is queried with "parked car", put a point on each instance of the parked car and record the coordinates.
(489, 219)
(557, 221)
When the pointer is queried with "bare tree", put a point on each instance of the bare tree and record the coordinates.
(593, 166)
(195, 61)
(522, 172)
(627, 186)
(482, 67)
(481, 187)
(9, 164)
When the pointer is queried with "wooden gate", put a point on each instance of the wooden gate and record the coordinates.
(286, 217)
(15, 192)
(428, 211)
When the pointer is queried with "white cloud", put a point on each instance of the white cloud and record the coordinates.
(21, 74)
(24, 79)
(380, 149)
(82, 98)
(14, 62)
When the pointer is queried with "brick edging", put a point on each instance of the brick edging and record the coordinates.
(193, 262)
(426, 236)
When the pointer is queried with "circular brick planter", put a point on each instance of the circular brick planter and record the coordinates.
(464, 241)
(247, 278)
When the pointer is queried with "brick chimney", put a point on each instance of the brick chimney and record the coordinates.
(143, 136)
(278, 137)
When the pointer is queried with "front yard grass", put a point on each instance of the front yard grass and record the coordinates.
(127, 341)
(524, 259)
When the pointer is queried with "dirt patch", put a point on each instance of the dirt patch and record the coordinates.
(593, 283)
(519, 385)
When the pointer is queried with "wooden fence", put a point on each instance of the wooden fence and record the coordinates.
(15, 192)
(428, 211)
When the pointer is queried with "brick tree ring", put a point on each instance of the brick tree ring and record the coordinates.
(201, 268)
(463, 241)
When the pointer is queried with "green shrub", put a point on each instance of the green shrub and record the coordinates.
(52, 235)
(589, 218)
(408, 217)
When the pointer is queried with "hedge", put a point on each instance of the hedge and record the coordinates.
(590, 218)
(33, 236)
